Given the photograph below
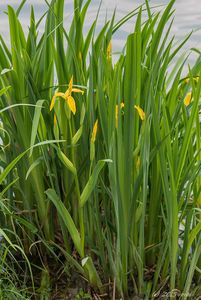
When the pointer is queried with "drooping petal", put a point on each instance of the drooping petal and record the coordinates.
(71, 104)
(75, 90)
(94, 132)
(58, 94)
(52, 102)
(188, 99)
(140, 112)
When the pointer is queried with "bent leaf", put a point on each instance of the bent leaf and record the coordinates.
(68, 221)
(91, 182)
(67, 163)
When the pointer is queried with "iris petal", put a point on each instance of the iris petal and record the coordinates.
(94, 132)
(71, 104)
(140, 111)
(75, 90)
(70, 86)
(188, 99)
(54, 98)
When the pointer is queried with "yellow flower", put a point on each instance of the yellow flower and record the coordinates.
(196, 79)
(188, 99)
(67, 96)
(141, 113)
(55, 120)
(117, 112)
(94, 132)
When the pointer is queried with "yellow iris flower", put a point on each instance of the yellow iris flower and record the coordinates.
(188, 99)
(137, 107)
(94, 132)
(117, 112)
(196, 79)
(141, 113)
(67, 96)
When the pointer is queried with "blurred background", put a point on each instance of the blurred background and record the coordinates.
(187, 17)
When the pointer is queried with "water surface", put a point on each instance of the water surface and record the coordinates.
(187, 17)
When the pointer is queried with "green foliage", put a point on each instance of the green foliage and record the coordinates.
(82, 295)
(124, 196)
(11, 286)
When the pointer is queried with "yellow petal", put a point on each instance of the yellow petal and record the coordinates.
(116, 115)
(52, 102)
(67, 94)
(71, 104)
(188, 99)
(196, 79)
(58, 94)
(117, 112)
(70, 86)
(77, 91)
(94, 132)
(55, 120)
(140, 112)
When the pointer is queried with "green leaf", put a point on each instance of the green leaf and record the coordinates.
(4, 90)
(91, 182)
(67, 219)
(15, 161)
(33, 165)
(36, 119)
(67, 163)
(77, 136)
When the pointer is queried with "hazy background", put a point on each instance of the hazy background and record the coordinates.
(187, 17)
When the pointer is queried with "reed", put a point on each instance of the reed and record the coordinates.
(101, 160)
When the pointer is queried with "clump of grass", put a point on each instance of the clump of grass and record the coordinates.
(11, 285)
(108, 157)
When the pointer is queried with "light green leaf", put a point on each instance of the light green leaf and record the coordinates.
(4, 90)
